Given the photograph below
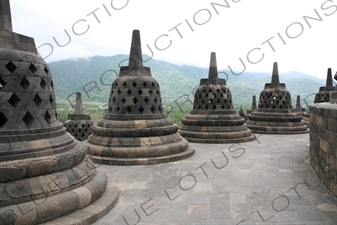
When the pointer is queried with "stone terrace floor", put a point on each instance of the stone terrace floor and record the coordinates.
(264, 182)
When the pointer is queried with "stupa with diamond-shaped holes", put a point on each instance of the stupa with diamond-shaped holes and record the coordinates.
(213, 119)
(275, 114)
(79, 124)
(136, 130)
(323, 95)
(45, 175)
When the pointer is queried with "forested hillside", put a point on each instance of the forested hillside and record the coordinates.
(93, 77)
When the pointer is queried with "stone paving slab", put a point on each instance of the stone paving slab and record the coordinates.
(264, 182)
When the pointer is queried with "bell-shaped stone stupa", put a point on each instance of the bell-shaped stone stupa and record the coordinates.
(242, 113)
(136, 130)
(213, 119)
(274, 113)
(45, 175)
(79, 124)
(323, 95)
(300, 111)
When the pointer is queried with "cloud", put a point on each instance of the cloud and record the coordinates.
(185, 32)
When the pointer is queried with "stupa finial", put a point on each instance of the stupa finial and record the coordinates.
(213, 70)
(5, 16)
(136, 59)
(254, 103)
(329, 82)
(79, 105)
(298, 104)
(275, 80)
(10, 39)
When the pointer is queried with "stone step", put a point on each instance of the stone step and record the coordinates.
(92, 212)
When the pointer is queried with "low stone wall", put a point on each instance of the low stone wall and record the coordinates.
(323, 143)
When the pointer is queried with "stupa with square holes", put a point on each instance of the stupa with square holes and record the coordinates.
(323, 95)
(213, 119)
(136, 130)
(275, 114)
(46, 175)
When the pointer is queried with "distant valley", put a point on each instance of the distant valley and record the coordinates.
(95, 74)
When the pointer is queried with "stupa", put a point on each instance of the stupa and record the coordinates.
(79, 124)
(136, 130)
(323, 95)
(274, 113)
(45, 175)
(249, 111)
(242, 113)
(213, 119)
(298, 107)
(300, 111)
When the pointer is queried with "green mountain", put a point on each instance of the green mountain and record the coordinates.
(93, 76)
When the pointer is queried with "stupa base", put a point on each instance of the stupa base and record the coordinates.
(284, 121)
(217, 137)
(279, 130)
(139, 150)
(94, 211)
(221, 141)
(83, 205)
(143, 161)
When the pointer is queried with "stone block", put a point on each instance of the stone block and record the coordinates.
(331, 136)
(332, 125)
(324, 145)
(322, 112)
(322, 122)
(333, 97)
(333, 112)
(333, 188)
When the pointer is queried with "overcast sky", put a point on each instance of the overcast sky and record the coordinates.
(186, 32)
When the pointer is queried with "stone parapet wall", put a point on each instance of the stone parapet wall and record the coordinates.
(323, 143)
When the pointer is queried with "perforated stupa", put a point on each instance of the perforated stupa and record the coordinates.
(323, 95)
(45, 175)
(213, 119)
(79, 124)
(275, 113)
(136, 130)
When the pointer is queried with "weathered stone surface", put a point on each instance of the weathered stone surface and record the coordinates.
(43, 169)
(213, 119)
(136, 130)
(333, 97)
(274, 113)
(323, 143)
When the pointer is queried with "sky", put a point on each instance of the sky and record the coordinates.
(247, 35)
